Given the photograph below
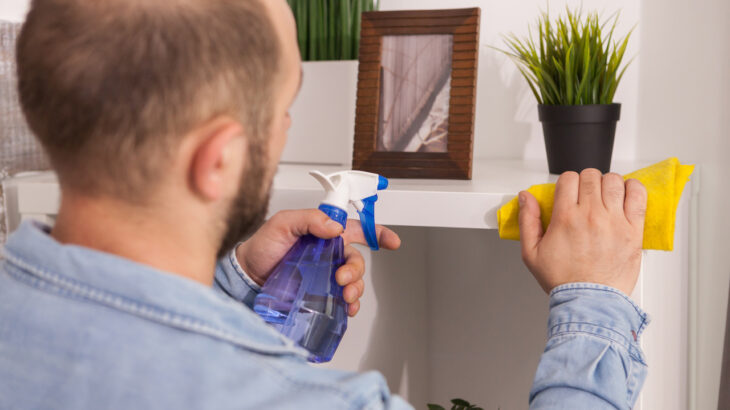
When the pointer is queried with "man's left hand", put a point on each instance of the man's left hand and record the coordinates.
(262, 252)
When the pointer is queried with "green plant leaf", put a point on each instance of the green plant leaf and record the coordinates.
(572, 59)
(329, 29)
(583, 80)
(346, 30)
(570, 76)
(300, 14)
(531, 82)
(432, 406)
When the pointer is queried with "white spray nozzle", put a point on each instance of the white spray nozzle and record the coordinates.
(357, 187)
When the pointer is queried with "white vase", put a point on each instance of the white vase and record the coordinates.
(323, 114)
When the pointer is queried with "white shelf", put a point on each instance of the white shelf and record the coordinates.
(430, 202)
(409, 202)
(424, 202)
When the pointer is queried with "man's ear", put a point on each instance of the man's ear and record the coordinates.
(217, 159)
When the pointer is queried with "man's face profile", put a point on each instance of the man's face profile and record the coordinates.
(248, 209)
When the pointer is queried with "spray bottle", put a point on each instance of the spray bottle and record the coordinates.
(301, 298)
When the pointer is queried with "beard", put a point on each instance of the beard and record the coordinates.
(248, 209)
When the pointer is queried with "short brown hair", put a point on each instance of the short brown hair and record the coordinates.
(108, 85)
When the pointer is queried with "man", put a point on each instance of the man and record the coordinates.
(164, 121)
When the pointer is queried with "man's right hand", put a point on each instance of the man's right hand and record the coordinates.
(595, 234)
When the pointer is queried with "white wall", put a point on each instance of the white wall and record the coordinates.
(684, 110)
(13, 10)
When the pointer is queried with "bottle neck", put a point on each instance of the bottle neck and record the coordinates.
(337, 214)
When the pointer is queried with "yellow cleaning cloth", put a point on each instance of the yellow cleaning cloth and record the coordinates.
(664, 182)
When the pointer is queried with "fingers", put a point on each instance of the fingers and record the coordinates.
(350, 274)
(317, 223)
(612, 191)
(589, 189)
(530, 224)
(353, 269)
(307, 221)
(635, 203)
(386, 238)
(566, 192)
(352, 292)
(353, 308)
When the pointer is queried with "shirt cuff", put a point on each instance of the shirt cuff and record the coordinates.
(239, 270)
(599, 310)
(231, 279)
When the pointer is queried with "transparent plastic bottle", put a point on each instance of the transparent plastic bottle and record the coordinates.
(302, 299)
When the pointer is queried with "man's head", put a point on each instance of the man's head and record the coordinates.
(149, 101)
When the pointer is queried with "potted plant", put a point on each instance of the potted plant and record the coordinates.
(323, 116)
(573, 68)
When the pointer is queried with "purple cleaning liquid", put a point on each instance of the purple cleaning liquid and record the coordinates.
(302, 299)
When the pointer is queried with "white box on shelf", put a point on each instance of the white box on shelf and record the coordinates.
(323, 114)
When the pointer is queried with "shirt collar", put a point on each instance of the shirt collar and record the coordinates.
(139, 289)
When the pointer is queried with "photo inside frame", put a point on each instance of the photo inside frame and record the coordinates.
(414, 93)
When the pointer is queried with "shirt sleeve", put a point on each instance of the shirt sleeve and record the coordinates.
(231, 279)
(592, 359)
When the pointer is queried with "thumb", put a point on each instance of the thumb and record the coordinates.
(530, 224)
(307, 221)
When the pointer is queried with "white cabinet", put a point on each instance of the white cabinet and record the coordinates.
(454, 313)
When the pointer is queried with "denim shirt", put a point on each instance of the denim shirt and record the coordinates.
(83, 329)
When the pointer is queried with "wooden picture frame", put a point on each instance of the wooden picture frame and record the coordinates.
(455, 159)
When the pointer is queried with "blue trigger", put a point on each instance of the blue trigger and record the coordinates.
(382, 182)
(367, 220)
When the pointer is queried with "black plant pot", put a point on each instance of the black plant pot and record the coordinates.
(579, 136)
